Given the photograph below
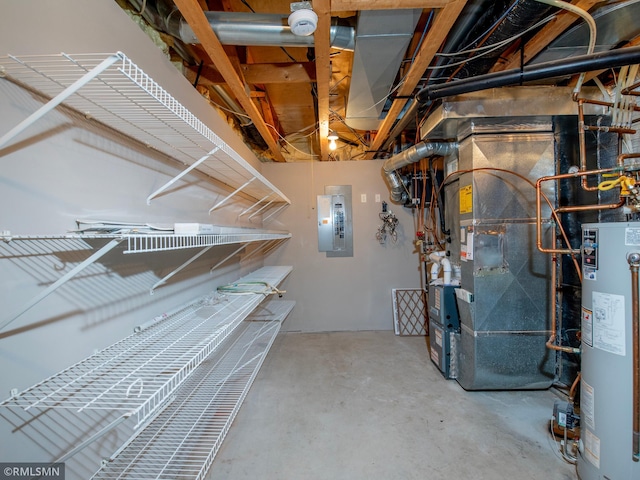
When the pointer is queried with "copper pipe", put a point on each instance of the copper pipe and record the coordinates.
(627, 91)
(584, 208)
(551, 343)
(583, 147)
(562, 176)
(634, 265)
(594, 128)
(574, 386)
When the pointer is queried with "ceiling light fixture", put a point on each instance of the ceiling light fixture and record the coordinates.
(332, 137)
(303, 20)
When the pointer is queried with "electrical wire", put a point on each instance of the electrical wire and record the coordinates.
(592, 30)
(496, 45)
(289, 143)
(249, 288)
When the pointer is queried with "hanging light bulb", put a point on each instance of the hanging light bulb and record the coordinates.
(332, 137)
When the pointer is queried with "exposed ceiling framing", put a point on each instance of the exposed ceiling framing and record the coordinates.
(287, 98)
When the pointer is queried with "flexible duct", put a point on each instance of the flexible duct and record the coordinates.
(407, 157)
(502, 20)
(556, 68)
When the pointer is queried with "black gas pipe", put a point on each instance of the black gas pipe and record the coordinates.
(541, 71)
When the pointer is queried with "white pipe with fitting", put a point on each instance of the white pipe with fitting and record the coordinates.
(440, 260)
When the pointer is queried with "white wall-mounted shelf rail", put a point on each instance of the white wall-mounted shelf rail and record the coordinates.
(182, 441)
(115, 91)
(138, 374)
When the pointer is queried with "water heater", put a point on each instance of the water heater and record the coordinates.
(609, 396)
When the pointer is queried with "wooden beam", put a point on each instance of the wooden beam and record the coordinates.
(194, 15)
(323, 70)
(266, 73)
(437, 34)
(347, 5)
(544, 37)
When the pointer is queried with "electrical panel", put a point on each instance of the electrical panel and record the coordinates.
(335, 229)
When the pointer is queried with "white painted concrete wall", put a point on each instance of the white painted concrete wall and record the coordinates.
(65, 168)
(352, 293)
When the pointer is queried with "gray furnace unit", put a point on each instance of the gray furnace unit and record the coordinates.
(444, 329)
(505, 142)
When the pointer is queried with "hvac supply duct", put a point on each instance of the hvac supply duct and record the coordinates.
(412, 155)
(541, 71)
(382, 38)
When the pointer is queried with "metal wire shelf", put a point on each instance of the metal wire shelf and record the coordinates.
(137, 243)
(158, 243)
(116, 92)
(183, 440)
(139, 373)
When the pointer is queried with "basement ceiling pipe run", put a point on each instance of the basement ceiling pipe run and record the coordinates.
(412, 155)
(541, 71)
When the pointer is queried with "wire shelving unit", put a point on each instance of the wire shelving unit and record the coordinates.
(182, 441)
(113, 90)
(139, 373)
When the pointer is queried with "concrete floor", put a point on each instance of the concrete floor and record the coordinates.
(370, 405)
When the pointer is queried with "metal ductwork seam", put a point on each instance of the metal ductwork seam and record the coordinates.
(407, 157)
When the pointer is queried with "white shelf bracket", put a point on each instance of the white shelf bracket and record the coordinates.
(274, 212)
(235, 252)
(255, 204)
(64, 279)
(240, 188)
(192, 259)
(260, 248)
(258, 211)
(58, 99)
(180, 175)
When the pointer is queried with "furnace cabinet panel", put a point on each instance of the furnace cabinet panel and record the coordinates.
(504, 312)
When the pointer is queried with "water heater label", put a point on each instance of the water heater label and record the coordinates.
(608, 322)
(587, 405)
(592, 448)
(632, 236)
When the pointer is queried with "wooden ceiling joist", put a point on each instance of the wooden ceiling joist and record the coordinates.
(322, 40)
(195, 17)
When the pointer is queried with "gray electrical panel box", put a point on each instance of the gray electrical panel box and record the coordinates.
(335, 230)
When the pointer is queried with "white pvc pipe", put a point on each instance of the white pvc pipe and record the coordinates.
(446, 269)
